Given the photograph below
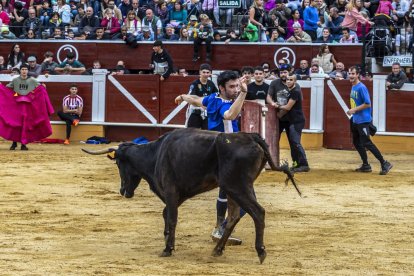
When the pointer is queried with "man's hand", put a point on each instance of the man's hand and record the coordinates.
(244, 81)
(162, 78)
(351, 111)
(179, 99)
(387, 84)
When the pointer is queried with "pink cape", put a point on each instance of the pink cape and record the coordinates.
(25, 119)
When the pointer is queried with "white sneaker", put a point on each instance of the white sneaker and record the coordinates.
(218, 233)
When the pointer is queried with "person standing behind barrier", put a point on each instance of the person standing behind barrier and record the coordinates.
(360, 123)
(201, 87)
(223, 109)
(161, 61)
(257, 90)
(72, 110)
(287, 97)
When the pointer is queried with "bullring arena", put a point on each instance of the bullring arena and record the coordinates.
(61, 214)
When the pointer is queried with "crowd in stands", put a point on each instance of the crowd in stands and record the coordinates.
(328, 21)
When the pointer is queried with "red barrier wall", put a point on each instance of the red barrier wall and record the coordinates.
(400, 111)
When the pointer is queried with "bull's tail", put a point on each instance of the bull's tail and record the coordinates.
(285, 166)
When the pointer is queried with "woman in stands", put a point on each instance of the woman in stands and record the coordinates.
(326, 59)
(162, 12)
(15, 58)
(178, 15)
(184, 34)
(257, 16)
(295, 18)
(353, 16)
(133, 23)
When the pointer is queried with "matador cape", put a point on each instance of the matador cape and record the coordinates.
(25, 119)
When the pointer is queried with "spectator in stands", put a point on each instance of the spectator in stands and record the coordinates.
(385, 7)
(281, 11)
(257, 90)
(125, 7)
(132, 23)
(340, 5)
(78, 17)
(139, 11)
(116, 12)
(153, 22)
(275, 37)
(163, 13)
(70, 64)
(64, 12)
(352, 16)
(110, 23)
(192, 27)
(299, 35)
(119, 70)
(89, 22)
(347, 37)
(303, 71)
(17, 17)
(15, 58)
(45, 13)
(31, 23)
(311, 19)
(249, 32)
(230, 36)
(54, 22)
(326, 36)
(96, 64)
(182, 72)
(216, 36)
(29, 35)
(295, 19)
(204, 33)
(72, 111)
(170, 33)
(257, 18)
(303, 6)
(57, 34)
(277, 22)
(147, 34)
(326, 59)
(178, 15)
(208, 7)
(403, 38)
(401, 7)
(184, 34)
(3, 65)
(4, 18)
(48, 65)
(161, 61)
(397, 78)
(99, 34)
(122, 63)
(334, 22)
(34, 69)
(339, 73)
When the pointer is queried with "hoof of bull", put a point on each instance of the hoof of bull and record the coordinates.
(166, 254)
(262, 256)
(217, 252)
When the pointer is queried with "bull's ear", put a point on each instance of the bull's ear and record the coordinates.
(111, 154)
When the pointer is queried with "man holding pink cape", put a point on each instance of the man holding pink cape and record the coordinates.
(25, 110)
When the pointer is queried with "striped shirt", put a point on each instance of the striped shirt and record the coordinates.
(73, 102)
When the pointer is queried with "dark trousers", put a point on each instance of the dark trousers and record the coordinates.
(197, 44)
(294, 135)
(196, 121)
(362, 141)
(68, 118)
(312, 34)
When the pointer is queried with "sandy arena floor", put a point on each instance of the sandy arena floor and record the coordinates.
(61, 214)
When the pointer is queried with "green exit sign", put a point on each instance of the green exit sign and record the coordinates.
(229, 4)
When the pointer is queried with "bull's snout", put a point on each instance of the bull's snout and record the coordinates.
(125, 193)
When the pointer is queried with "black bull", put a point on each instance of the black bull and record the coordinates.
(187, 162)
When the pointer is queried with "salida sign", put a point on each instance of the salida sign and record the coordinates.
(229, 3)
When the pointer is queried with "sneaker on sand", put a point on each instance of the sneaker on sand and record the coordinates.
(217, 234)
(23, 147)
(300, 169)
(66, 142)
(385, 168)
(364, 168)
(13, 146)
(75, 122)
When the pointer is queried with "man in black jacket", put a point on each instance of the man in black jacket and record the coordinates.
(89, 22)
(161, 61)
(397, 78)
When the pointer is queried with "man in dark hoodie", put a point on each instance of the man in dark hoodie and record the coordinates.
(161, 61)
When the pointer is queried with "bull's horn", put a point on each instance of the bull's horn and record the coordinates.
(102, 151)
